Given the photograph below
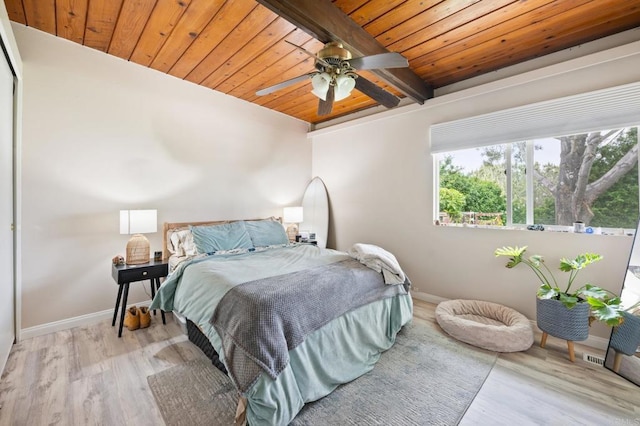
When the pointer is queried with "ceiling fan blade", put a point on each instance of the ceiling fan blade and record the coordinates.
(322, 61)
(282, 85)
(376, 93)
(325, 107)
(381, 60)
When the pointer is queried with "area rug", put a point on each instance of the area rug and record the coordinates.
(426, 378)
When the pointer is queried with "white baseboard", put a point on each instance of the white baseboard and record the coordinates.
(82, 320)
(592, 341)
(427, 297)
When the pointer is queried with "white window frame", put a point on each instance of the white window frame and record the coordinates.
(508, 184)
(530, 196)
(610, 108)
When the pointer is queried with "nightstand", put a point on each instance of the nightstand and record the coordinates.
(126, 274)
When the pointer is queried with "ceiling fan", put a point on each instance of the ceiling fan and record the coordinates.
(335, 76)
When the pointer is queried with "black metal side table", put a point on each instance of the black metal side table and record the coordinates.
(126, 274)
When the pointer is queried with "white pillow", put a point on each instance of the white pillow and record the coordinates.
(182, 242)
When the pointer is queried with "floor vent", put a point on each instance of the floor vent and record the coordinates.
(593, 359)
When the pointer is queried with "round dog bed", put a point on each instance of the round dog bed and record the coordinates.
(484, 324)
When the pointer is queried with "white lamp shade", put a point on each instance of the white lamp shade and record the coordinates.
(320, 83)
(292, 215)
(138, 221)
(344, 86)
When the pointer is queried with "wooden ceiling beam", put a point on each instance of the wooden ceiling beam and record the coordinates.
(324, 21)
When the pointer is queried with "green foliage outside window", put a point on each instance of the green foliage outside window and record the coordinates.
(452, 202)
(479, 196)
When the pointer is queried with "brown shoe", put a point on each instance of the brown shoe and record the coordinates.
(132, 318)
(145, 317)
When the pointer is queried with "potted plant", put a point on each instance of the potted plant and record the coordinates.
(566, 312)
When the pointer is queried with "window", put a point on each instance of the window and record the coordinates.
(551, 163)
(590, 177)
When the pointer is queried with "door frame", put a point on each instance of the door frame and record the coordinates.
(10, 146)
(9, 49)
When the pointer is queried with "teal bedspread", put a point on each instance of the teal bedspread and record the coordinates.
(340, 351)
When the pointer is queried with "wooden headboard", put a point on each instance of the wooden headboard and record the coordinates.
(173, 226)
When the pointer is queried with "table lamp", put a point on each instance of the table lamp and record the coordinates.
(292, 216)
(138, 222)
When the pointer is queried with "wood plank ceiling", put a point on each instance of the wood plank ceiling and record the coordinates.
(238, 46)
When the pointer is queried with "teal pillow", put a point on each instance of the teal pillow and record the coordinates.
(266, 233)
(228, 236)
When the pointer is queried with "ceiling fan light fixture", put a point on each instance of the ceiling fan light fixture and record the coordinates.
(344, 86)
(320, 83)
(335, 74)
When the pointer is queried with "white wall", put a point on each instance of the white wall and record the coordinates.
(101, 134)
(379, 175)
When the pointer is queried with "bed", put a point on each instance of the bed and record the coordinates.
(290, 322)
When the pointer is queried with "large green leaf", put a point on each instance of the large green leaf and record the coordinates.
(510, 251)
(547, 292)
(515, 254)
(606, 311)
(593, 292)
(536, 260)
(568, 300)
(581, 261)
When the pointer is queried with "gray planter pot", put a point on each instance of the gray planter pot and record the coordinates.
(625, 338)
(557, 320)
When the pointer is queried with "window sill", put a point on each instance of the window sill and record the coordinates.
(618, 232)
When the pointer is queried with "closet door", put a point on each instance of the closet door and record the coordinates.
(7, 306)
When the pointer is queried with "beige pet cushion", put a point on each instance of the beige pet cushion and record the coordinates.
(484, 324)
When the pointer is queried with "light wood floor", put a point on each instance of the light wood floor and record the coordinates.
(87, 376)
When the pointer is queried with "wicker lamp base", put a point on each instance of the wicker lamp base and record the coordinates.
(138, 250)
(292, 231)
